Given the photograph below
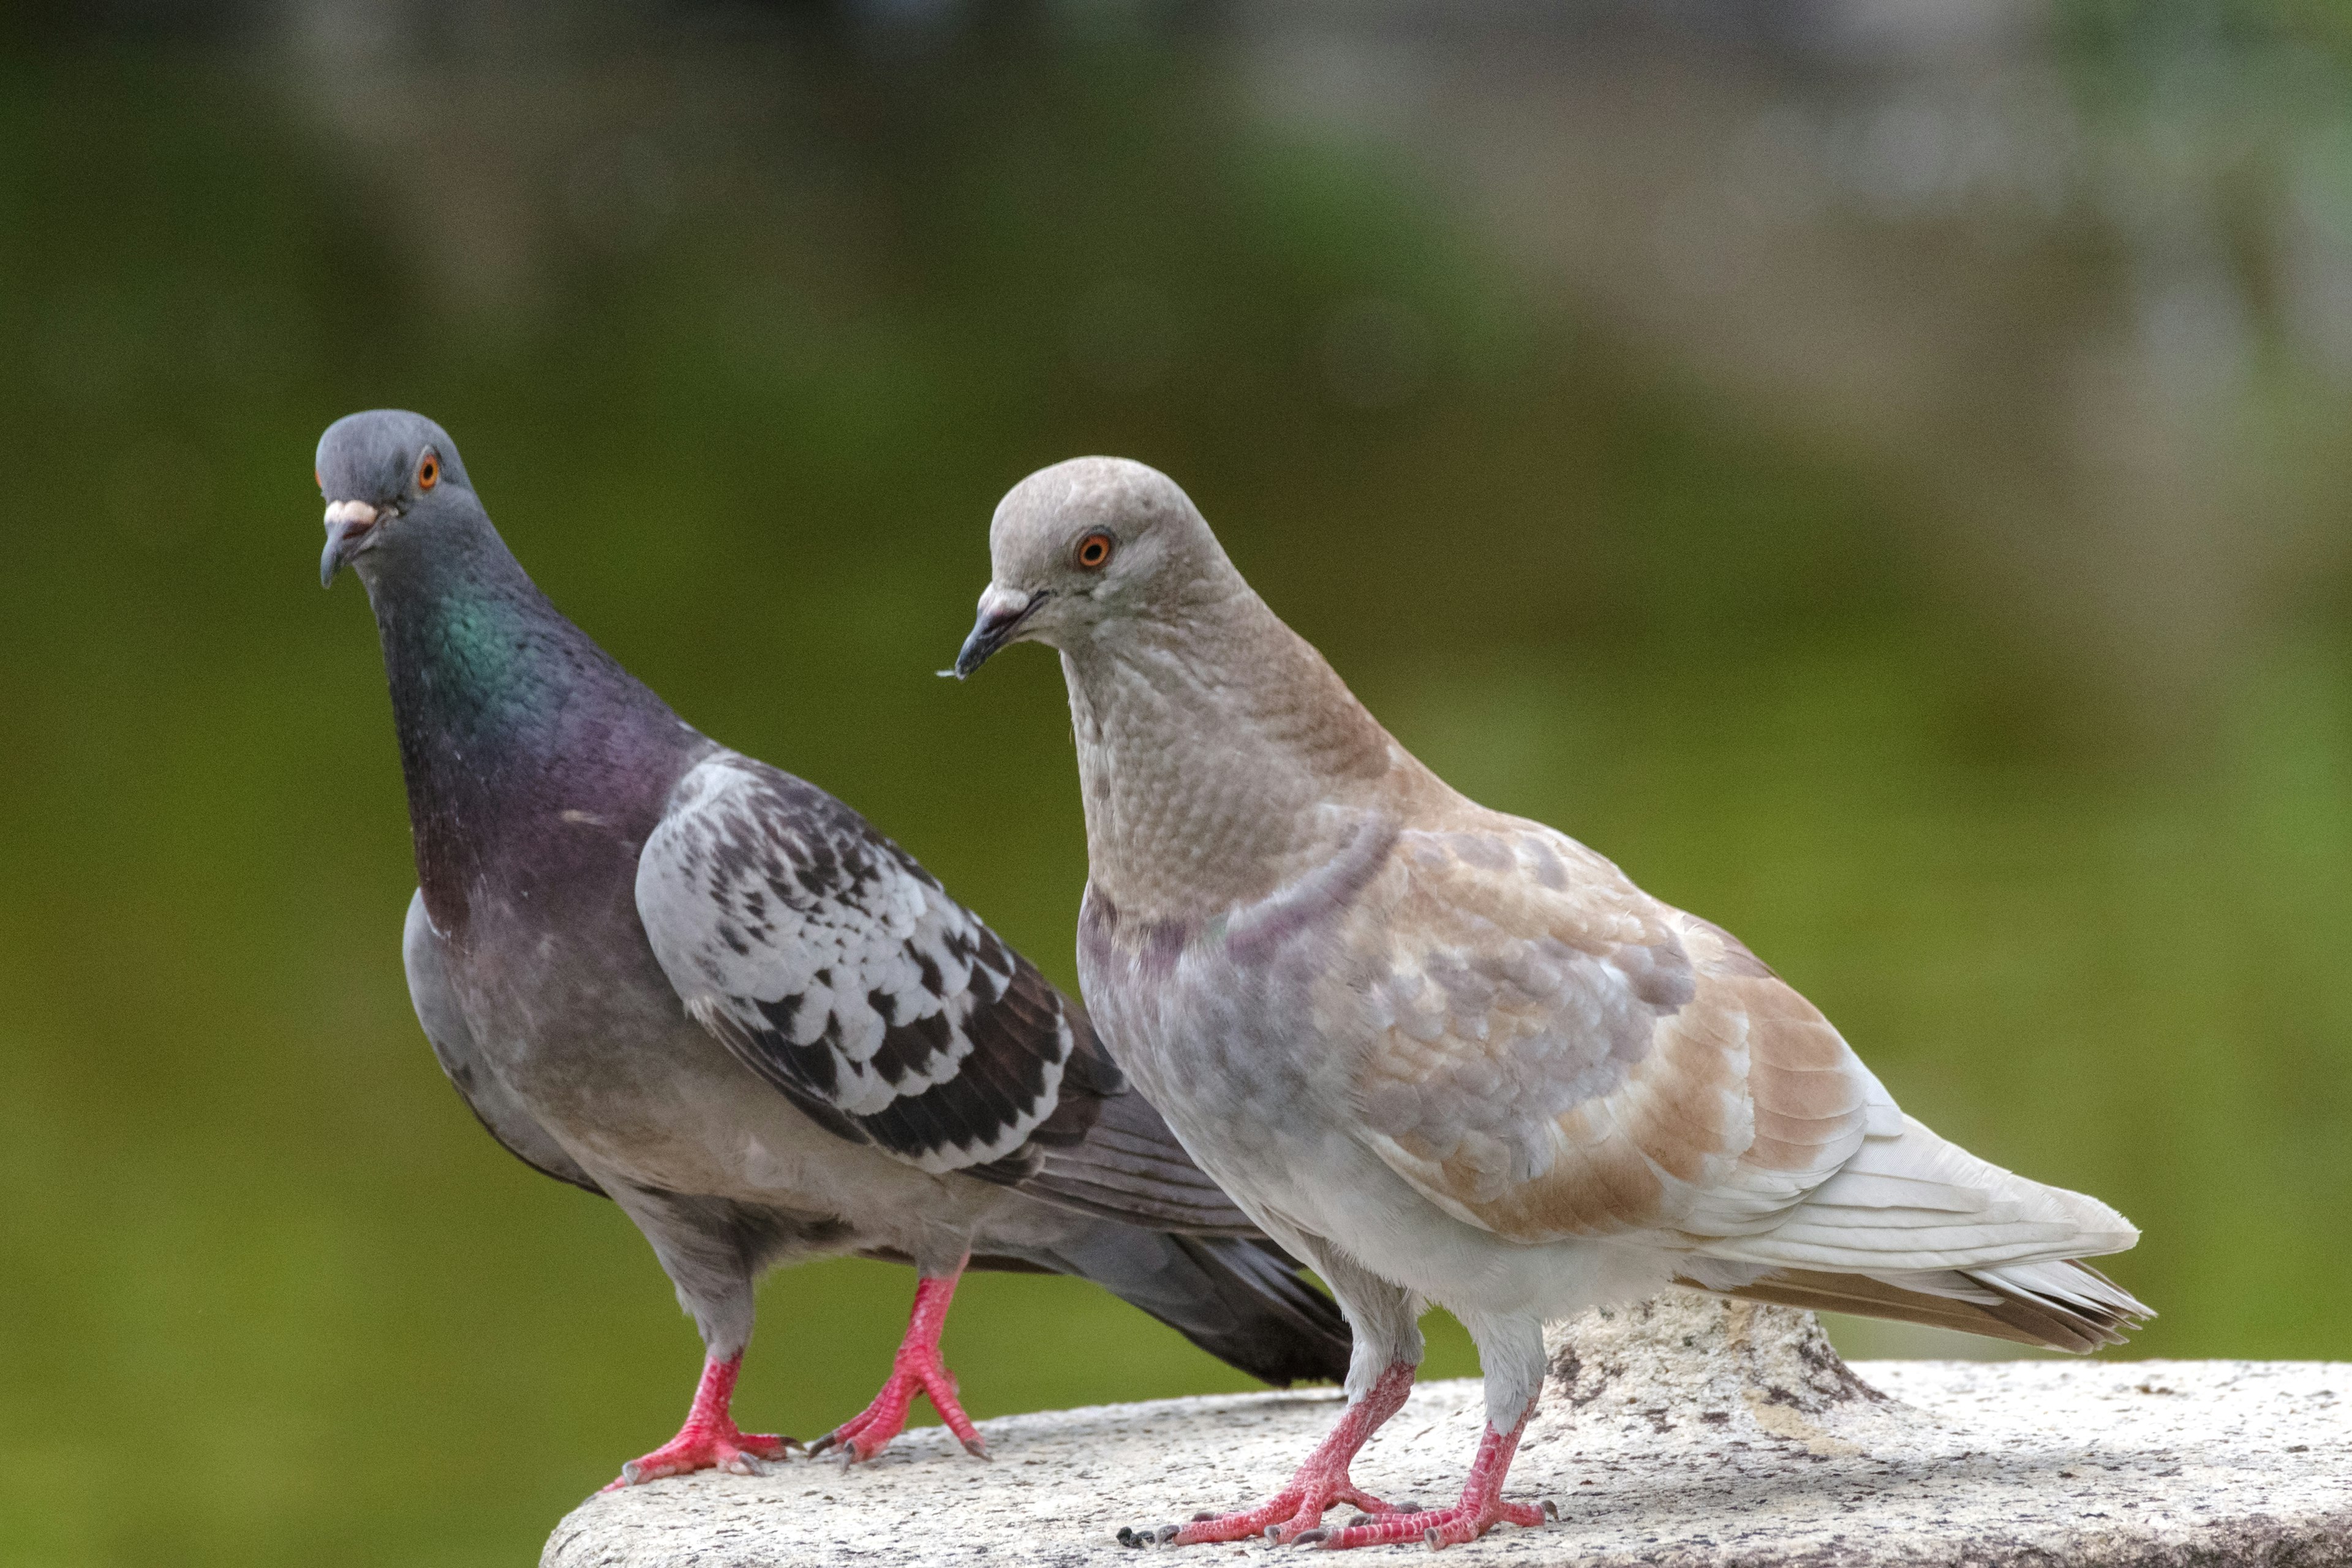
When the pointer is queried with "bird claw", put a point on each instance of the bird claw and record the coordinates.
(709, 1440)
(1295, 1514)
(707, 1447)
(1434, 1529)
(1287, 1518)
(918, 1371)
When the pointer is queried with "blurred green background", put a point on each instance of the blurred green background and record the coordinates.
(1876, 470)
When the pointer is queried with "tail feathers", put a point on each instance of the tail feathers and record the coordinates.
(2061, 1305)
(1910, 1203)
(1243, 1300)
(1916, 1229)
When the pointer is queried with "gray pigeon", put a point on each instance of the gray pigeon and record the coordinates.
(664, 972)
(1447, 1055)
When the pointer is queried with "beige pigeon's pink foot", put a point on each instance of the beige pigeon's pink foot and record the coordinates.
(918, 1369)
(1481, 1508)
(1320, 1482)
(1283, 1518)
(709, 1440)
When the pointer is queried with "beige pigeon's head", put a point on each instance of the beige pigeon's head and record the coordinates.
(1087, 543)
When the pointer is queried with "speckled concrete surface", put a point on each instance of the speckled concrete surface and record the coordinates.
(1728, 1438)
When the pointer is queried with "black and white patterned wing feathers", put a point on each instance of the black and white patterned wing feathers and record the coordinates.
(833, 965)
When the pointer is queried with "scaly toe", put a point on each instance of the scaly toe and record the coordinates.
(1442, 1527)
(767, 1446)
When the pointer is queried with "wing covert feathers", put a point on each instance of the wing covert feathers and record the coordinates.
(833, 966)
(1557, 1054)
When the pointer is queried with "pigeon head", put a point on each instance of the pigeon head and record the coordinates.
(1086, 545)
(394, 488)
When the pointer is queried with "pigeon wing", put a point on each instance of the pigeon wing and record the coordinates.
(832, 964)
(1555, 1053)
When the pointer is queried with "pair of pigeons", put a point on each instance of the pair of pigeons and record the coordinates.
(1336, 1012)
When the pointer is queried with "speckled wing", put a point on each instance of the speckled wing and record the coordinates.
(834, 967)
(1554, 1053)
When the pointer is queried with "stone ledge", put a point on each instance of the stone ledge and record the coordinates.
(1727, 1440)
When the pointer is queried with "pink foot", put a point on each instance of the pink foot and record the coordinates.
(1435, 1528)
(1286, 1516)
(1320, 1482)
(918, 1369)
(1481, 1508)
(709, 1440)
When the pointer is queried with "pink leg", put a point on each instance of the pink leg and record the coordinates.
(916, 1370)
(1481, 1508)
(1321, 1482)
(708, 1438)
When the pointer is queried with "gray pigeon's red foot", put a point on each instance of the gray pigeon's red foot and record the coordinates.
(1481, 1508)
(709, 1440)
(918, 1369)
(1321, 1482)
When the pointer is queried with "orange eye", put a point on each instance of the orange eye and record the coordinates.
(1093, 552)
(428, 471)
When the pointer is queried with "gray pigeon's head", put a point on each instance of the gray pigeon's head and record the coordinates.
(1085, 544)
(394, 486)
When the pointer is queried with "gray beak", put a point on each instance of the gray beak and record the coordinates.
(347, 523)
(1001, 612)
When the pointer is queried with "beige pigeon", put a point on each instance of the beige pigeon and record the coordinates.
(1447, 1055)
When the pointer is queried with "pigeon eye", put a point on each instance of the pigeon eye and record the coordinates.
(428, 471)
(1093, 552)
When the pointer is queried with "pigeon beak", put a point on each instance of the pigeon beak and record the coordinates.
(1001, 614)
(347, 523)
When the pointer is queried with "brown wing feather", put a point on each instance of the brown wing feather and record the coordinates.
(1558, 1054)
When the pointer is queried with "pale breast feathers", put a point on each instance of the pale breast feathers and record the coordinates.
(1555, 1053)
(833, 966)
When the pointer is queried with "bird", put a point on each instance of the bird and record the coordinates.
(1451, 1056)
(673, 975)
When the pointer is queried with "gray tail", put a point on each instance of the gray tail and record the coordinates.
(1241, 1300)
(2063, 1306)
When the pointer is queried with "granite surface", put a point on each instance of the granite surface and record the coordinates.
(1689, 1432)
